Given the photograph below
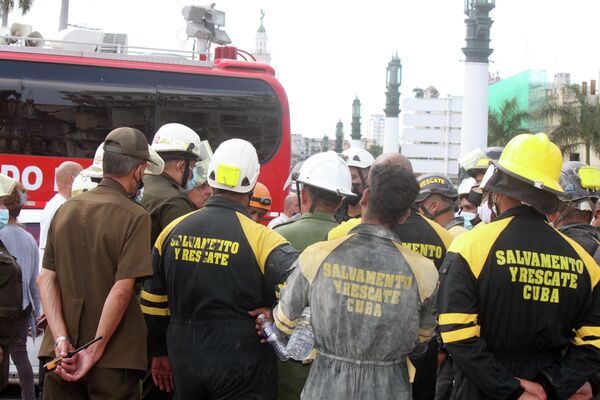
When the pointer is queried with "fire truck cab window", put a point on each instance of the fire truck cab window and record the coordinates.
(67, 110)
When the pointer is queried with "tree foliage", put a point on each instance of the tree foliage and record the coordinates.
(575, 122)
(375, 150)
(8, 5)
(507, 123)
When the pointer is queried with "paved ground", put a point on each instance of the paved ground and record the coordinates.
(13, 391)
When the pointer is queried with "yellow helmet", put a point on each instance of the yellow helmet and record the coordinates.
(533, 159)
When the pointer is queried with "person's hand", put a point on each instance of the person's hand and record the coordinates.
(162, 375)
(255, 313)
(74, 368)
(62, 348)
(533, 390)
(442, 357)
(584, 393)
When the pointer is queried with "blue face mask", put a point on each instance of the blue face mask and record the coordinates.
(3, 217)
(190, 184)
(468, 217)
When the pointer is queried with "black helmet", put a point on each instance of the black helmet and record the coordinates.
(435, 184)
(482, 161)
(579, 181)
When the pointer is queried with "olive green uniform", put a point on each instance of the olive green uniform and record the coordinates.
(89, 252)
(309, 229)
(165, 200)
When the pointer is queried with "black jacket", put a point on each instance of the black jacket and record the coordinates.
(215, 263)
(519, 299)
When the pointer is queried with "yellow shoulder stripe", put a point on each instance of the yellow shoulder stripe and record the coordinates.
(444, 235)
(313, 256)
(342, 229)
(165, 232)
(262, 240)
(457, 318)
(461, 334)
(475, 245)
(577, 341)
(153, 298)
(588, 260)
(586, 331)
(161, 312)
(423, 269)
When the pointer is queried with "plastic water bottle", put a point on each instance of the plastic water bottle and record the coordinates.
(270, 333)
(302, 340)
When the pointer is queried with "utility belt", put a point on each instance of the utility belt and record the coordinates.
(361, 362)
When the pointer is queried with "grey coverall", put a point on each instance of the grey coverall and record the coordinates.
(373, 304)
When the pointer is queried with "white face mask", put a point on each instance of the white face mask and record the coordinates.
(485, 212)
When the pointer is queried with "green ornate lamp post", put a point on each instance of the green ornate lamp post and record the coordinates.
(392, 105)
(355, 135)
(339, 136)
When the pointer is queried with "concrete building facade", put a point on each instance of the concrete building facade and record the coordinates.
(431, 134)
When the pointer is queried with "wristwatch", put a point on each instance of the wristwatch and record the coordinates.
(60, 339)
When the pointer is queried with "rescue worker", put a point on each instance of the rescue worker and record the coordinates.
(291, 207)
(481, 162)
(202, 190)
(166, 195)
(326, 179)
(260, 203)
(361, 353)
(11, 289)
(431, 240)
(519, 303)
(214, 269)
(467, 210)
(477, 197)
(437, 199)
(359, 161)
(581, 184)
(418, 233)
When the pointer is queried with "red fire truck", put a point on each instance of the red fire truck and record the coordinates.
(58, 105)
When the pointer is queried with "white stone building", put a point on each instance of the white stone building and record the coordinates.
(431, 134)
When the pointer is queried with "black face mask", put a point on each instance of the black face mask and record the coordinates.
(475, 198)
(354, 200)
(139, 191)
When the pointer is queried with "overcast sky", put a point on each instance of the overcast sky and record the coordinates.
(327, 52)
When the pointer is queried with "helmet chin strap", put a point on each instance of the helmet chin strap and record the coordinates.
(186, 173)
(298, 196)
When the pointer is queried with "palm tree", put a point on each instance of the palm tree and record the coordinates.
(577, 121)
(8, 5)
(506, 123)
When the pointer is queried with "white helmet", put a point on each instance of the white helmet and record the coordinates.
(82, 184)
(201, 167)
(95, 170)
(359, 158)
(176, 138)
(466, 185)
(327, 171)
(234, 166)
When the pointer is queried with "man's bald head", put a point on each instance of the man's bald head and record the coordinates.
(394, 159)
(65, 175)
(290, 204)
